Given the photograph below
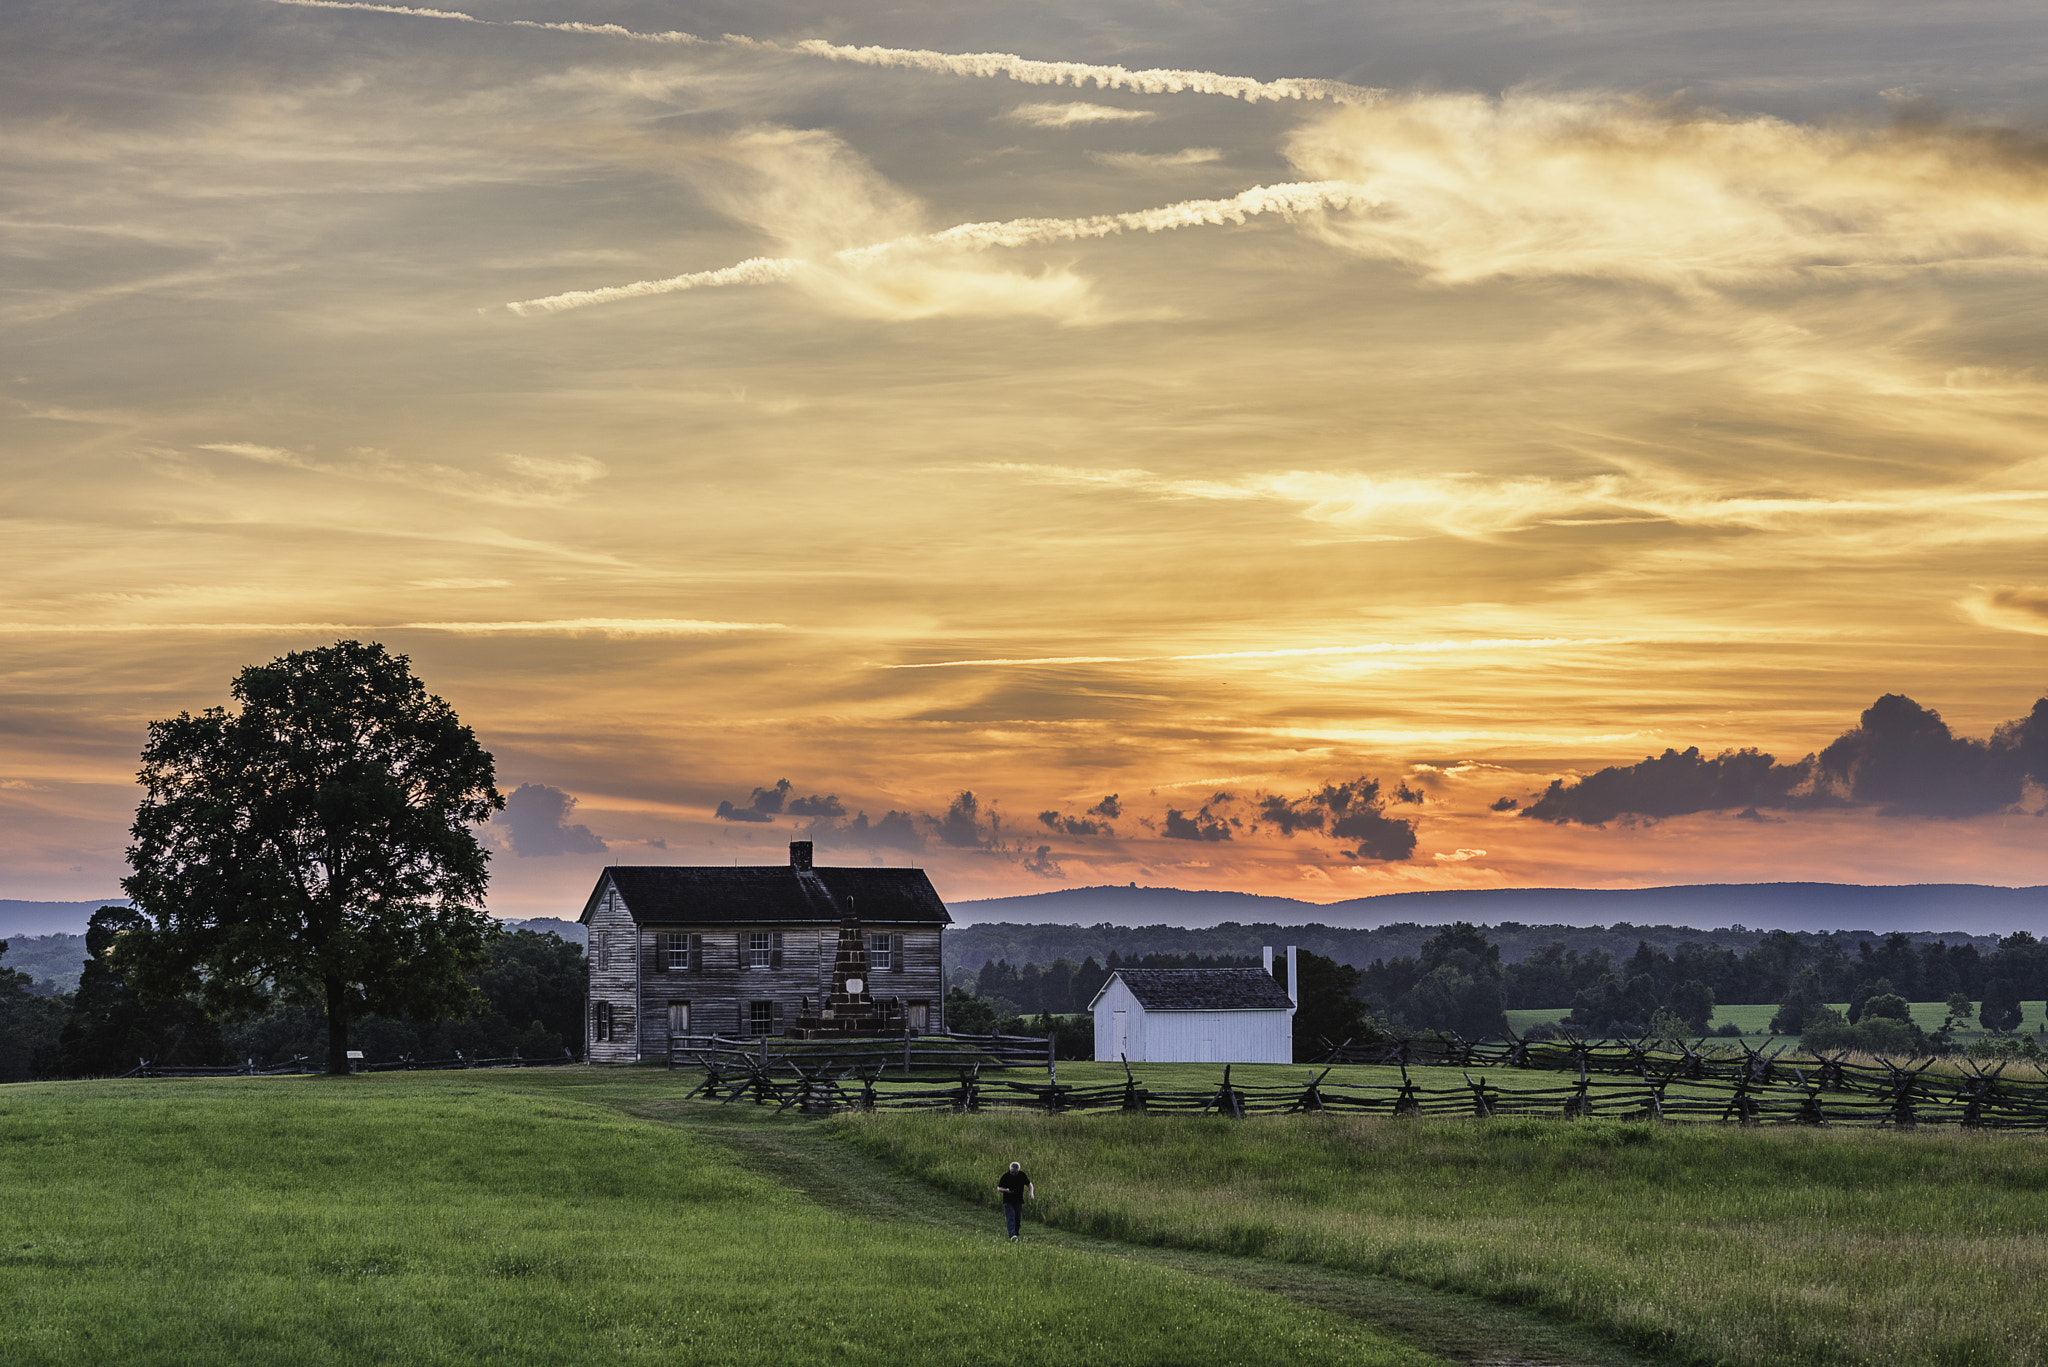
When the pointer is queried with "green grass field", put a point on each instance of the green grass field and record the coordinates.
(1756, 1020)
(593, 1216)
(529, 1217)
(1726, 1245)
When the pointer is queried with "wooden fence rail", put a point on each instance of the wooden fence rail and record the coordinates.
(1666, 1085)
(925, 1053)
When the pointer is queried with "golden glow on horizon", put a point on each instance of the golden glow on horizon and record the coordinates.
(901, 417)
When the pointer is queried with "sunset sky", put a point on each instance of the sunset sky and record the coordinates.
(1162, 435)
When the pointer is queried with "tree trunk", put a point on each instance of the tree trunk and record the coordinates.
(337, 1026)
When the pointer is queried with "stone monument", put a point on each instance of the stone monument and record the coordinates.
(851, 1011)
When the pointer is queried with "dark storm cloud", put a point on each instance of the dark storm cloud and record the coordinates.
(537, 818)
(1673, 784)
(765, 805)
(1900, 758)
(1094, 823)
(769, 803)
(1349, 812)
(1203, 825)
(1292, 814)
(1042, 863)
(895, 831)
(961, 826)
(1903, 759)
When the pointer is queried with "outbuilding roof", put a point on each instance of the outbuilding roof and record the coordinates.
(1203, 989)
(776, 894)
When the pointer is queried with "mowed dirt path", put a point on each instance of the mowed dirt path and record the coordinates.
(1458, 1329)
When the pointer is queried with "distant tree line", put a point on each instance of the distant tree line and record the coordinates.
(1457, 981)
(1063, 986)
(529, 997)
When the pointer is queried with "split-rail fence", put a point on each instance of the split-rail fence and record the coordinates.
(1637, 1080)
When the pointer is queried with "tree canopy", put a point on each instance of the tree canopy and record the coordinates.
(315, 845)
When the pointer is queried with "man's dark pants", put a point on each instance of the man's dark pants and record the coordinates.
(1013, 1215)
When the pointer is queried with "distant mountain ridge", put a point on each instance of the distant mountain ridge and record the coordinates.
(50, 918)
(1971, 908)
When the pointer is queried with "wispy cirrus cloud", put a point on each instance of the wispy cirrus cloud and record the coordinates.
(527, 481)
(1075, 114)
(1479, 507)
(1158, 161)
(1608, 187)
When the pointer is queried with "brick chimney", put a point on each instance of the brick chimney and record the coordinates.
(800, 855)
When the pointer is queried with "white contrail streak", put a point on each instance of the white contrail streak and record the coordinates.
(987, 65)
(1288, 201)
(758, 270)
(593, 30)
(456, 15)
(1025, 71)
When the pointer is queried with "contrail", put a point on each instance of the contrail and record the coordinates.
(987, 65)
(594, 30)
(758, 270)
(1151, 81)
(1287, 200)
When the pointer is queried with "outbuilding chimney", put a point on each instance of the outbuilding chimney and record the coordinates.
(800, 855)
(1268, 951)
(1294, 976)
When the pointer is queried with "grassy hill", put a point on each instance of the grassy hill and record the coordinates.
(593, 1216)
(528, 1218)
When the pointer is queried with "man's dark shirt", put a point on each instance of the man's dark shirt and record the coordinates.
(1013, 1184)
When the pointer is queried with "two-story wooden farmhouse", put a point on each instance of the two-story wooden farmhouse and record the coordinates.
(681, 951)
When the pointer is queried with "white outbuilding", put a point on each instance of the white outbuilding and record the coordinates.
(1196, 1015)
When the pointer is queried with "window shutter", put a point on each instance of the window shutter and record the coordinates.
(661, 943)
(775, 959)
(895, 953)
(778, 1016)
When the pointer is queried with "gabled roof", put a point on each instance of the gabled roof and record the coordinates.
(769, 894)
(1202, 989)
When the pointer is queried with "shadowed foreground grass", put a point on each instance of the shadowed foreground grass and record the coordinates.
(522, 1218)
(1737, 1246)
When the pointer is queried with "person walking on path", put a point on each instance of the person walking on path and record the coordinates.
(1015, 1186)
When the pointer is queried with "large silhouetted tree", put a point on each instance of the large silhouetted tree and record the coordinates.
(314, 846)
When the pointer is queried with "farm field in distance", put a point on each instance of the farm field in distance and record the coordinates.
(1756, 1020)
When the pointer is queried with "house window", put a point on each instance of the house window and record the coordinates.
(675, 952)
(757, 951)
(604, 1020)
(761, 1018)
(878, 952)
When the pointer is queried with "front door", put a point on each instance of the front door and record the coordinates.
(1120, 1033)
(679, 1018)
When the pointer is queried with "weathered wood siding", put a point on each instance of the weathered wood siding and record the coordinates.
(720, 992)
(614, 981)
